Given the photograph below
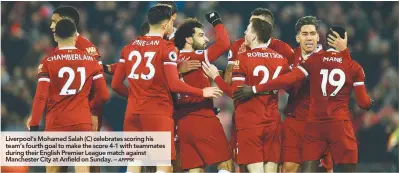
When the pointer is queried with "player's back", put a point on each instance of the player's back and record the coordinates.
(83, 44)
(277, 45)
(332, 78)
(71, 73)
(144, 60)
(259, 65)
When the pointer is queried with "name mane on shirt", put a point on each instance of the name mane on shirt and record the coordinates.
(146, 43)
(332, 59)
(264, 55)
(70, 57)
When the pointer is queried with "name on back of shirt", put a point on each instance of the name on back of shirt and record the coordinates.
(146, 43)
(264, 55)
(332, 59)
(70, 57)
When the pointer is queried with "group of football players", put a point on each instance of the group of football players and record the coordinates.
(169, 73)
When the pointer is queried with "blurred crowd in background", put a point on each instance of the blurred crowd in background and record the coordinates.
(373, 40)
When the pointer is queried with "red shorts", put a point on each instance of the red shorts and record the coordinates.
(338, 136)
(137, 123)
(292, 135)
(261, 144)
(202, 142)
(76, 127)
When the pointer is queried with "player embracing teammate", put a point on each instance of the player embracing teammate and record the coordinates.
(150, 64)
(257, 66)
(332, 76)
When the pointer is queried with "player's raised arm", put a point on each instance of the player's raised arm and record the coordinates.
(100, 91)
(230, 61)
(119, 76)
(41, 95)
(222, 43)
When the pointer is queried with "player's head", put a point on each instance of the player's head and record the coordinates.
(171, 4)
(144, 29)
(191, 33)
(338, 29)
(263, 14)
(306, 33)
(65, 30)
(258, 32)
(159, 17)
(64, 12)
(173, 7)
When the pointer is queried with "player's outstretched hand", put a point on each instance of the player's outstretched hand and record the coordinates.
(189, 65)
(243, 92)
(337, 42)
(213, 18)
(27, 123)
(210, 70)
(212, 92)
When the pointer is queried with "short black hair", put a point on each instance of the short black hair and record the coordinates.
(65, 28)
(144, 29)
(68, 11)
(159, 13)
(339, 29)
(262, 29)
(185, 30)
(172, 4)
(262, 12)
(306, 20)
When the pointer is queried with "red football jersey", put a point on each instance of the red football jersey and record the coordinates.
(144, 60)
(257, 66)
(194, 105)
(299, 99)
(332, 76)
(70, 73)
(277, 45)
(83, 44)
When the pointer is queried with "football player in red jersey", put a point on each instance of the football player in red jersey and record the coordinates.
(333, 75)
(82, 44)
(200, 147)
(183, 67)
(239, 47)
(67, 97)
(151, 79)
(298, 110)
(257, 119)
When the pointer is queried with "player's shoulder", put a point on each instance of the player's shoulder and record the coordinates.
(83, 43)
(274, 42)
(354, 65)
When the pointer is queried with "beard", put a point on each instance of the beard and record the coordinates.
(198, 46)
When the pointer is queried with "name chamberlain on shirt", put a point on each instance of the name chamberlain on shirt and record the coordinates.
(70, 57)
